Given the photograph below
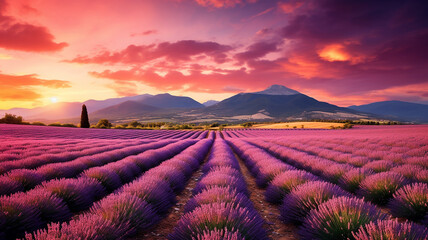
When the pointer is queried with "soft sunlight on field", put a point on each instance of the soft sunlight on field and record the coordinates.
(319, 125)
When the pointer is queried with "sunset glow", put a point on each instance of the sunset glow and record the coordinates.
(343, 53)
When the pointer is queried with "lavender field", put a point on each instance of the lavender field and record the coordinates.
(369, 182)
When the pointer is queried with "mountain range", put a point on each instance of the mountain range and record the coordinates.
(397, 110)
(276, 103)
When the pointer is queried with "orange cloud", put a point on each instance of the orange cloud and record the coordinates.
(338, 52)
(24, 36)
(21, 88)
(289, 7)
(334, 52)
(222, 3)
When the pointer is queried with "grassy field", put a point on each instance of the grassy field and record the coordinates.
(318, 125)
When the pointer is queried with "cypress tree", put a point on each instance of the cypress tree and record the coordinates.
(84, 119)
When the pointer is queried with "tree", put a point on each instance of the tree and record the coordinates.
(103, 123)
(84, 119)
(11, 119)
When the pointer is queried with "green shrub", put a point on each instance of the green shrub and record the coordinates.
(11, 119)
(68, 125)
(103, 123)
(38, 124)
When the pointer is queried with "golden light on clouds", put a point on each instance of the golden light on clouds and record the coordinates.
(4, 56)
(334, 52)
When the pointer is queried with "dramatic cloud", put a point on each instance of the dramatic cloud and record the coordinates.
(290, 6)
(21, 88)
(334, 50)
(178, 51)
(222, 3)
(145, 33)
(257, 50)
(25, 37)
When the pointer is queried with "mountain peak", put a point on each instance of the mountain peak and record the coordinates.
(278, 90)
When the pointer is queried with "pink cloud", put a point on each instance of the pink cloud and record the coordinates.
(257, 50)
(219, 3)
(24, 36)
(145, 33)
(21, 88)
(290, 6)
(178, 51)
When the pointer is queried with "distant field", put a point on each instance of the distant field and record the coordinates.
(252, 184)
(318, 125)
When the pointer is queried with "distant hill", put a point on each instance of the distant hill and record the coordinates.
(398, 110)
(278, 102)
(128, 109)
(210, 103)
(169, 101)
(66, 110)
(278, 90)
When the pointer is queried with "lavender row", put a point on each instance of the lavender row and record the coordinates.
(56, 200)
(379, 188)
(373, 159)
(66, 155)
(220, 207)
(24, 179)
(30, 149)
(41, 132)
(135, 207)
(415, 173)
(323, 210)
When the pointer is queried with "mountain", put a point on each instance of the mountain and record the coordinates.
(278, 102)
(278, 90)
(65, 110)
(210, 103)
(398, 110)
(169, 101)
(125, 109)
(94, 105)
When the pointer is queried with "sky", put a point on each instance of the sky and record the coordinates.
(342, 52)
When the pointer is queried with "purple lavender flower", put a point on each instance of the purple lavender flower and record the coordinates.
(410, 201)
(422, 176)
(338, 218)
(9, 186)
(87, 226)
(408, 170)
(108, 178)
(269, 171)
(283, 183)
(77, 193)
(127, 170)
(220, 217)
(221, 180)
(153, 190)
(308, 196)
(391, 230)
(380, 187)
(380, 166)
(219, 235)
(28, 178)
(127, 212)
(334, 172)
(18, 216)
(218, 194)
(351, 180)
(51, 207)
(175, 178)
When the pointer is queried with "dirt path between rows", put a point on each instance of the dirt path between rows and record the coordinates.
(167, 224)
(274, 227)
